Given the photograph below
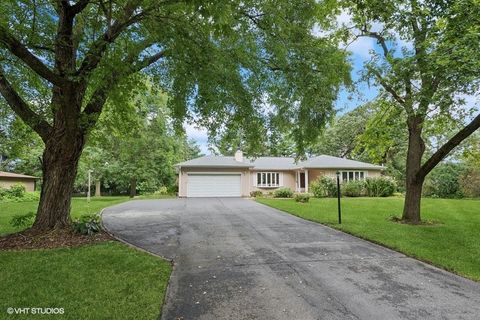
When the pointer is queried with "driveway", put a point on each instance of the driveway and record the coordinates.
(237, 259)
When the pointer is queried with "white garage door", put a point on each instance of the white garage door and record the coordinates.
(214, 185)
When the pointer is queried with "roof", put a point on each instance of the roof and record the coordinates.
(329, 162)
(214, 161)
(274, 163)
(4, 174)
(279, 163)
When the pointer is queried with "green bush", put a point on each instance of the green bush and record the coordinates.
(443, 181)
(147, 187)
(469, 182)
(87, 224)
(23, 220)
(256, 194)
(380, 187)
(302, 197)
(17, 191)
(324, 187)
(353, 189)
(161, 191)
(283, 193)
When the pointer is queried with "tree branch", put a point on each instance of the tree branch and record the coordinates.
(20, 107)
(380, 40)
(99, 97)
(78, 7)
(98, 48)
(444, 150)
(20, 51)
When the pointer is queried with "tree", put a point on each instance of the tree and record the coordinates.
(60, 61)
(20, 146)
(427, 78)
(340, 137)
(138, 146)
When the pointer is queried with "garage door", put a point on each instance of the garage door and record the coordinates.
(214, 185)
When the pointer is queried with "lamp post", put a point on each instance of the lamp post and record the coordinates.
(89, 183)
(338, 197)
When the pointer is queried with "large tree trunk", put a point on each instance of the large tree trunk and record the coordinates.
(63, 148)
(414, 182)
(133, 187)
(98, 191)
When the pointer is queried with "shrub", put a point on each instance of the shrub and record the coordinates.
(87, 224)
(443, 181)
(469, 182)
(17, 191)
(353, 189)
(147, 187)
(24, 220)
(302, 197)
(283, 193)
(379, 187)
(256, 194)
(162, 191)
(324, 187)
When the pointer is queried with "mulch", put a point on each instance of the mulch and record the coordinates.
(59, 238)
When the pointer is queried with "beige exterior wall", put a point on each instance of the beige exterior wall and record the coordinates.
(7, 183)
(287, 179)
(248, 177)
(314, 174)
(183, 178)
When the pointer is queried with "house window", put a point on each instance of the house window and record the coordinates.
(353, 175)
(268, 179)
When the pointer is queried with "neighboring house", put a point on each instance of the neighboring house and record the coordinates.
(219, 176)
(8, 179)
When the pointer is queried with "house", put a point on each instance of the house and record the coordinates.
(220, 176)
(8, 179)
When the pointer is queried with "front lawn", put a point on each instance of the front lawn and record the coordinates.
(80, 206)
(102, 281)
(106, 280)
(452, 243)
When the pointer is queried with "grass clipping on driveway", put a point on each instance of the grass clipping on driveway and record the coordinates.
(102, 281)
(452, 242)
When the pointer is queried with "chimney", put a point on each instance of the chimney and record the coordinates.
(239, 155)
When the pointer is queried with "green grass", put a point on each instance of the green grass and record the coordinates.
(453, 243)
(106, 280)
(80, 206)
(103, 281)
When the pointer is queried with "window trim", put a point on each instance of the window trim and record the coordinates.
(265, 176)
(358, 175)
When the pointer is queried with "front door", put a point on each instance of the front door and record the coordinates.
(302, 179)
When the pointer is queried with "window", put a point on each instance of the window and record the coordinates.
(353, 175)
(268, 179)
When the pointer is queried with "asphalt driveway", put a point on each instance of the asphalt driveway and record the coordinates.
(237, 259)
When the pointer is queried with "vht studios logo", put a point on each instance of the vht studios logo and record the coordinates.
(34, 310)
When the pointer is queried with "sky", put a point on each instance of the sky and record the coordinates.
(346, 101)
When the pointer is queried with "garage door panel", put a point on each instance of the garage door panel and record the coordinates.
(214, 185)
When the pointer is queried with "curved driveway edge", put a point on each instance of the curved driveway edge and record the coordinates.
(237, 259)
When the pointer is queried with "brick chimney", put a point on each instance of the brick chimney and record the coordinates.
(239, 155)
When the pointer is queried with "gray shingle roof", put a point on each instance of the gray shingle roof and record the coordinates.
(278, 163)
(5, 174)
(214, 161)
(274, 163)
(329, 162)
